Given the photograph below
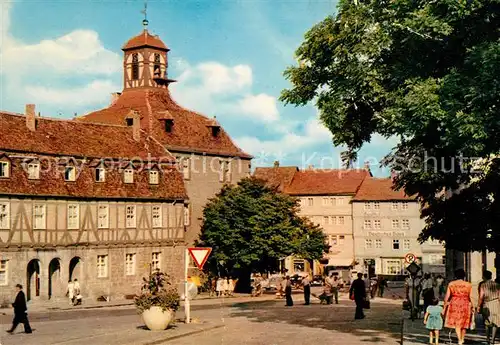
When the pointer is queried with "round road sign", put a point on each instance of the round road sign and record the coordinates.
(409, 258)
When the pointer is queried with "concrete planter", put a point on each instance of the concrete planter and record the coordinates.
(157, 320)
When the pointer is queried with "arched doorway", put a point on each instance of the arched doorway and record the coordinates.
(54, 276)
(75, 268)
(33, 279)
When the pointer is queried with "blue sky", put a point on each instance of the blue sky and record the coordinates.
(228, 57)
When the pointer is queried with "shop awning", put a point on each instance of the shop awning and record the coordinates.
(342, 262)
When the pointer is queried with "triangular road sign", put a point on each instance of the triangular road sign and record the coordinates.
(200, 255)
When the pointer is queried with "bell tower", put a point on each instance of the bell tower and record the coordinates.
(145, 60)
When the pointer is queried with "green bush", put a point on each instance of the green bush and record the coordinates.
(157, 291)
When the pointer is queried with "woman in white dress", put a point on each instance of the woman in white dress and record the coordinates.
(231, 286)
(219, 287)
(225, 286)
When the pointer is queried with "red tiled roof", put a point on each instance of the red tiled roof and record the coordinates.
(378, 189)
(291, 180)
(145, 39)
(52, 183)
(190, 130)
(327, 182)
(72, 138)
(276, 177)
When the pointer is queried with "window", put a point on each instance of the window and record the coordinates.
(341, 239)
(33, 171)
(333, 201)
(73, 217)
(169, 124)
(326, 220)
(4, 272)
(340, 201)
(341, 220)
(130, 122)
(186, 168)
(333, 240)
(310, 201)
(395, 206)
(129, 264)
(404, 206)
(70, 174)
(376, 205)
(130, 217)
(228, 171)
(395, 244)
(186, 215)
(406, 244)
(222, 170)
(128, 176)
(368, 224)
(333, 220)
(405, 223)
(377, 224)
(154, 177)
(155, 261)
(135, 66)
(395, 223)
(326, 202)
(378, 243)
(368, 205)
(368, 243)
(100, 174)
(102, 266)
(103, 216)
(156, 69)
(4, 216)
(157, 223)
(4, 169)
(39, 217)
(393, 267)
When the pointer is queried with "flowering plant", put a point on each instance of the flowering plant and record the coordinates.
(158, 291)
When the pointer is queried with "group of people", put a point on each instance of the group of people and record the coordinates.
(73, 292)
(222, 286)
(458, 311)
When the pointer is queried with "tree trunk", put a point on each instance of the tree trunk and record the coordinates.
(244, 285)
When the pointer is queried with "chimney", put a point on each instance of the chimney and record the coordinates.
(276, 164)
(114, 97)
(136, 124)
(310, 167)
(30, 117)
(393, 175)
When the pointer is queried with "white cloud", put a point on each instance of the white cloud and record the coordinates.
(96, 92)
(216, 89)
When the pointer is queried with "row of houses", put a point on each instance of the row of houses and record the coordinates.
(369, 226)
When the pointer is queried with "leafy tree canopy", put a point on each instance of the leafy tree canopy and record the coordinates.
(250, 227)
(428, 73)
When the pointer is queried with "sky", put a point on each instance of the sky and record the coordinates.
(227, 56)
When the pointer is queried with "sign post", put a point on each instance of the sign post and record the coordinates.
(413, 268)
(200, 256)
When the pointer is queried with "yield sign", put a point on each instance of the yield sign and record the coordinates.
(200, 255)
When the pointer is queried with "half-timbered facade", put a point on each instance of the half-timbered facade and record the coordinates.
(103, 204)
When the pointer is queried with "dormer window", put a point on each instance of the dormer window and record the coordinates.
(130, 122)
(154, 177)
(215, 131)
(100, 174)
(33, 171)
(4, 169)
(70, 174)
(128, 176)
(169, 124)
(135, 66)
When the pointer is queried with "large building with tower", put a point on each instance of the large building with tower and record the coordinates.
(109, 196)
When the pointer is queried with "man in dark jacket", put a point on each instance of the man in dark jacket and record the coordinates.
(20, 311)
(359, 291)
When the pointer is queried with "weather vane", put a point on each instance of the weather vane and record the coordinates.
(145, 22)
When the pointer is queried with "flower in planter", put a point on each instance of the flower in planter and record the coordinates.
(157, 291)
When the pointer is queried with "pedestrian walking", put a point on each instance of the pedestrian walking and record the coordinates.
(357, 292)
(219, 287)
(20, 311)
(213, 286)
(306, 285)
(327, 292)
(433, 320)
(367, 286)
(77, 293)
(382, 286)
(458, 305)
(335, 282)
(489, 306)
(70, 293)
(288, 292)
(440, 285)
(427, 290)
(225, 286)
(230, 284)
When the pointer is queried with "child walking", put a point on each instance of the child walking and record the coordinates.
(433, 320)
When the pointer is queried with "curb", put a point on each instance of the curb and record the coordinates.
(187, 334)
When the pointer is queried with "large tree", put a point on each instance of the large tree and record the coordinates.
(251, 227)
(427, 72)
